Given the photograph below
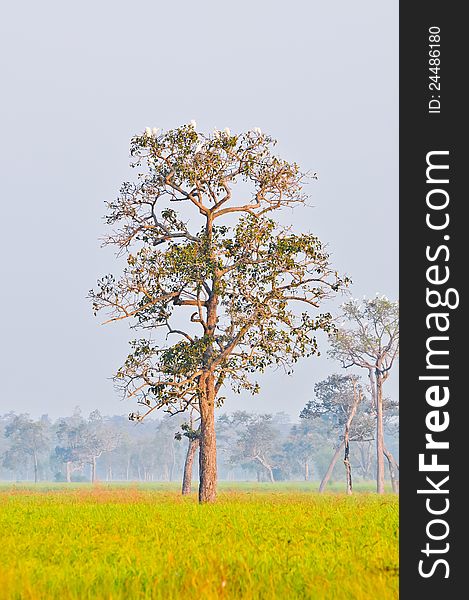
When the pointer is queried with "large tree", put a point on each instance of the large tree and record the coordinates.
(369, 339)
(220, 276)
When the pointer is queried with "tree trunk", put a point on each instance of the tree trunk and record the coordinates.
(68, 471)
(393, 468)
(93, 469)
(376, 385)
(35, 467)
(127, 471)
(331, 466)
(379, 435)
(271, 475)
(306, 470)
(208, 442)
(173, 462)
(188, 464)
(266, 466)
(348, 467)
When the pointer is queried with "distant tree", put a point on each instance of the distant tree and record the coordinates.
(17, 460)
(118, 462)
(121, 456)
(229, 427)
(149, 458)
(229, 275)
(4, 443)
(369, 338)
(98, 438)
(71, 433)
(337, 400)
(300, 446)
(364, 457)
(258, 441)
(28, 439)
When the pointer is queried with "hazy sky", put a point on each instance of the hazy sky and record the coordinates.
(80, 78)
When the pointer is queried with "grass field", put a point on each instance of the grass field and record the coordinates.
(257, 542)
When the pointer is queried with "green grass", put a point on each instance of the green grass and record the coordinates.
(256, 542)
(236, 486)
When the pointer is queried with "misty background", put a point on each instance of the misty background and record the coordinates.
(80, 79)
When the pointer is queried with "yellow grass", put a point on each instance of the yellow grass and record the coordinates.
(132, 543)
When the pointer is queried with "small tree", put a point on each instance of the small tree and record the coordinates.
(369, 338)
(223, 277)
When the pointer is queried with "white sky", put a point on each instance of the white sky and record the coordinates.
(80, 78)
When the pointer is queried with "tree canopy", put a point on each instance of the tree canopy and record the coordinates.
(236, 290)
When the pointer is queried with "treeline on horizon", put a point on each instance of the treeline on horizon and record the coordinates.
(252, 447)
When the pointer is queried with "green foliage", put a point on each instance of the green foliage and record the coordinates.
(187, 431)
